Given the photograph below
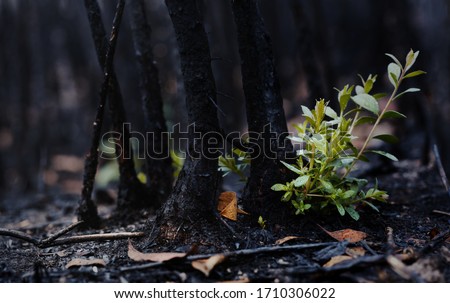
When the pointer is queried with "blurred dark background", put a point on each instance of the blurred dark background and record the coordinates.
(50, 78)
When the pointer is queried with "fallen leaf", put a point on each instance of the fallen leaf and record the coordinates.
(286, 239)
(85, 262)
(136, 255)
(348, 234)
(355, 251)
(227, 206)
(62, 253)
(206, 265)
(337, 259)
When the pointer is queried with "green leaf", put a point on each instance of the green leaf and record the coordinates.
(292, 168)
(392, 114)
(368, 85)
(371, 205)
(279, 187)
(365, 120)
(393, 58)
(344, 96)
(394, 71)
(379, 95)
(385, 154)
(387, 138)
(409, 90)
(411, 59)
(359, 90)
(414, 74)
(352, 212)
(307, 112)
(349, 194)
(367, 102)
(287, 196)
(331, 113)
(340, 209)
(327, 186)
(300, 181)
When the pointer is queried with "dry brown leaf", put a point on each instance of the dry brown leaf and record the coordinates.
(85, 262)
(337, 259)
(227, 205)
(355, 251)
(286, 239)
(206, 265)
(242, 212)
(348, 234)
(226, 198)
(136, 255)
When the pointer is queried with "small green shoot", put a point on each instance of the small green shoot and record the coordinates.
(262, 222)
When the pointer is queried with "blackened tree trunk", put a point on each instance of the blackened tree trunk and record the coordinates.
(194, 194)
(131, 193)
(159, 163)
(265, 115)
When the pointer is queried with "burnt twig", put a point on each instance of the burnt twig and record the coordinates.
(87, 210)
(54, 241)
(18, 235)
(130, 189)
(441, 212)
(95, 237)
(61, 233)
(238, 253)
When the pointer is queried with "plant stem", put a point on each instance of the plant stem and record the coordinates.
(380, 116)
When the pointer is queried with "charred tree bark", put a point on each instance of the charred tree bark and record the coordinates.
(265, 115)
(194, 193)
(132, 193)
(87, 210)
(159, 163)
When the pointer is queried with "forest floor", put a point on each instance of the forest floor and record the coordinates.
(407, 241)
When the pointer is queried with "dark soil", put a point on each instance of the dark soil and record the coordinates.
(420, 236)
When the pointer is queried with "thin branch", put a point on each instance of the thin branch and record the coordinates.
(19, 235)
(236, 253)
(87, 210)
(54, 241)
(441, 212)
(61, 232)
(129, 186)
(437, 241)
(95, 237)
(217, 106)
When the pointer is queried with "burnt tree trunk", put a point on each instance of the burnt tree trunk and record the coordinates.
(194, 193)
(265, 115)
(131, 193)
(159, 163)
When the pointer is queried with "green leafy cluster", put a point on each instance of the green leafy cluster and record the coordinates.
(328, 154)
(236, 163)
